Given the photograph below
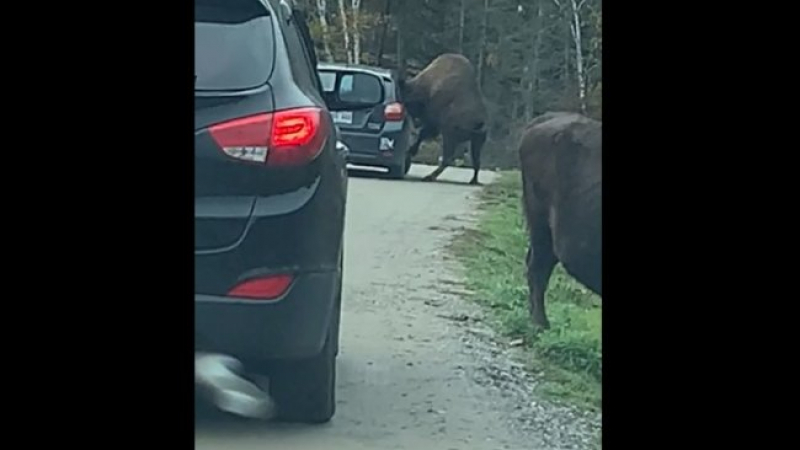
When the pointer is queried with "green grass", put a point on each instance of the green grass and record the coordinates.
(569, 355)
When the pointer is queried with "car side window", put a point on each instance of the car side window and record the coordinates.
(308, 43)
(397, 94)
(391, 90)
(299, 59)
(302, 55)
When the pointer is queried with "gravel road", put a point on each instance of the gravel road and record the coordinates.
(417, 369)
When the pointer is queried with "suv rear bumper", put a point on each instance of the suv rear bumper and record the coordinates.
(294, 326)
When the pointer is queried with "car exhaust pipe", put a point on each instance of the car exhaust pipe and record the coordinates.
(220, 380)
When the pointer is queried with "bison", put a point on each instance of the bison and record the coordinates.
(445, 98)
(561, 159)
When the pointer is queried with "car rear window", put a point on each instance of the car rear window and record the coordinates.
(328, 80)
(233, 46)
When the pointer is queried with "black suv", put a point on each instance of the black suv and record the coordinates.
(270, 194)
(378, 136)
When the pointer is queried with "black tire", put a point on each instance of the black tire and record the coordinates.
(305, 390)
(396, 172)
(399, 172)
(336, 320)
(337, 308)
(408, 164)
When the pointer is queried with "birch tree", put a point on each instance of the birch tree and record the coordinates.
(345, 31)
(322, 8)
(356, 7)
(575, 27)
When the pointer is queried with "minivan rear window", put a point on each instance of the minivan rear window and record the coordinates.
(233, 48)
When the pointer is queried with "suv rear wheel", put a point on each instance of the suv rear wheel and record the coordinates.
(337, 307)
(305, 390)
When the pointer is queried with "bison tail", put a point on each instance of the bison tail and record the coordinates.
(525, 208)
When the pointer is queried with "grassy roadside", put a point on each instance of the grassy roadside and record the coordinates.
(569, 354)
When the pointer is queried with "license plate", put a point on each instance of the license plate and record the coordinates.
(345, 117)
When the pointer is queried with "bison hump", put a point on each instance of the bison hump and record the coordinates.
(445, 75)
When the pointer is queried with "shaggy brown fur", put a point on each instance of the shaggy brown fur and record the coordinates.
(561, 159)
(445, 98)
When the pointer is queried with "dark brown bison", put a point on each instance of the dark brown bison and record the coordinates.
(445, 98)
(561, 158)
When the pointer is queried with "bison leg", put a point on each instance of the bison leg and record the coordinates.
(425, 133)
(448, 154)
(541, 261)
(475, 147)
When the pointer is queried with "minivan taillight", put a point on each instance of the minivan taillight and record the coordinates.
(393, 112)
(284, 138)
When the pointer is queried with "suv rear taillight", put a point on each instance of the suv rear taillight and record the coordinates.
(393, 112)
(265, 288)
(284, 138)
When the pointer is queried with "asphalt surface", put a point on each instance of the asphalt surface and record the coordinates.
(411, 373)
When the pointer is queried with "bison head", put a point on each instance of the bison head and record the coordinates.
(412, 101)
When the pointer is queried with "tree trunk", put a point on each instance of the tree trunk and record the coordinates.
(384, 27)
(537, 49)
(482, 51)
(577, 41)
(356, 7)
(345, 31)
(400, 23)
(322, 8)
(461, 27)
(577, 38)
